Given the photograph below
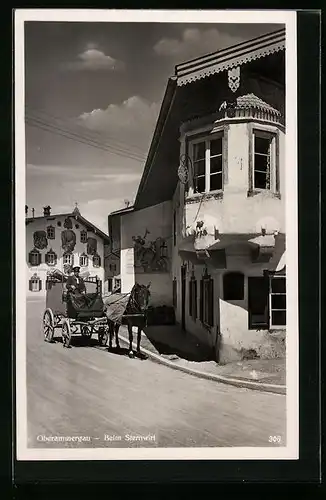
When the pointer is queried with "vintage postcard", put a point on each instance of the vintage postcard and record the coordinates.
(156, 235)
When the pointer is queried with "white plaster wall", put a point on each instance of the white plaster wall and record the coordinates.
(80, 248)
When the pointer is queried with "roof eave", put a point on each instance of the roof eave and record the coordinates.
(164, 113)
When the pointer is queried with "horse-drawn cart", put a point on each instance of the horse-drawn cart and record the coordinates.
(61, 311)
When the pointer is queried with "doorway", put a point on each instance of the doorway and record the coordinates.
(183, 297)
(258, 302)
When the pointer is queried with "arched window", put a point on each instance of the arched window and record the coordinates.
(83, 236)
(97, 261)
(83, 260)
(35, 283)
(51, 258)
(34, 257)
(233, 286)
(50, 232)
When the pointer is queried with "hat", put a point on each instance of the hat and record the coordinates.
(76, 268)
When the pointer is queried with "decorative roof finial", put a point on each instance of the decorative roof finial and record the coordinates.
(76, 209)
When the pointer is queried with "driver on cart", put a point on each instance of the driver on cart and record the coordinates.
(75, 285)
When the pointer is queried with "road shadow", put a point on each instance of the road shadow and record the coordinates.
(172, 341)
(123, 351)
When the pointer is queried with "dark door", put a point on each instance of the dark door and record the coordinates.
(258, 302)
(183, 297)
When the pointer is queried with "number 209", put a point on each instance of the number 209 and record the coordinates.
(274, 439)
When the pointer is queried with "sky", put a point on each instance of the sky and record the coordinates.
(93, 92)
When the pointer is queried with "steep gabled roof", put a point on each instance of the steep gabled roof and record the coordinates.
(77, 216)
(186, 73)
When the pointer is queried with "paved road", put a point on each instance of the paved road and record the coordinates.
(87, 391)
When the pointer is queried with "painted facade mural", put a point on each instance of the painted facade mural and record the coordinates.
(152, 255)
(40, 240)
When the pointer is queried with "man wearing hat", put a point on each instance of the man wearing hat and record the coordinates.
(75, 283)
(76, 287)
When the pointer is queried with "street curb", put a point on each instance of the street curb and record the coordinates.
(246, 384)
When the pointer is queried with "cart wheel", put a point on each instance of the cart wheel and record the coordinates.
(48, 325)
(86, 331)
(103, 336)
(66, 333)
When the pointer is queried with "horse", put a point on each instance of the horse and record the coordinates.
(134, 315)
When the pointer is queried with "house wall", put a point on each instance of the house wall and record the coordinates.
(40, 224)
(156, 220)
(235, 214)
(231, 318)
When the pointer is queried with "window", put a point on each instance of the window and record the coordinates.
(35, 258)
(163, 249)
(83, 236)
(50, 232)
(68, 259)
(264, 169)
(207, 156)
(51, 258)
(110, 284)
(207, 301)
(174, 292)
(113, 267)
(277, 297)
(96, 261)
(35, 284)
(83, 260)
(193, 298)
(117, 283)
(233, 286)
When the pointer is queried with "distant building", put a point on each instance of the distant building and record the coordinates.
(207, 228)
(62, 241)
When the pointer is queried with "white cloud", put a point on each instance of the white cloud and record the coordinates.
(195, 42)
(93, 59)
(132, 122)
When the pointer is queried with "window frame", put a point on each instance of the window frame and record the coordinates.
(272, 277)
(51, 254)
(98, 258)
(207, 301)
(35, 280)
(64, 261)
(50, 232)
(83, 260)
(35, 253)
(83, 233)
(274, 169)
(193, 298)
(207, 139)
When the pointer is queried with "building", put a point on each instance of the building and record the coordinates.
(60, 242)
(207, 228)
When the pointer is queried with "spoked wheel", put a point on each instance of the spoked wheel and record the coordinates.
(86, 331)
(103, 336)
(66, 333)
(48, 325)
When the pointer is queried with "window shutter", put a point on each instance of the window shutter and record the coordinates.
(72, 259)
(39, 259)
(55, 259)
(30, 285)
(190, 298)
(211, 302)
(30, 258)
(40, 284)
(201, 305)
(195, 299)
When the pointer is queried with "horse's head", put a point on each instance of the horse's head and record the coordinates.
(142, 295)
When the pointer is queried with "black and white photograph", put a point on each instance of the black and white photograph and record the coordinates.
(156, 235)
